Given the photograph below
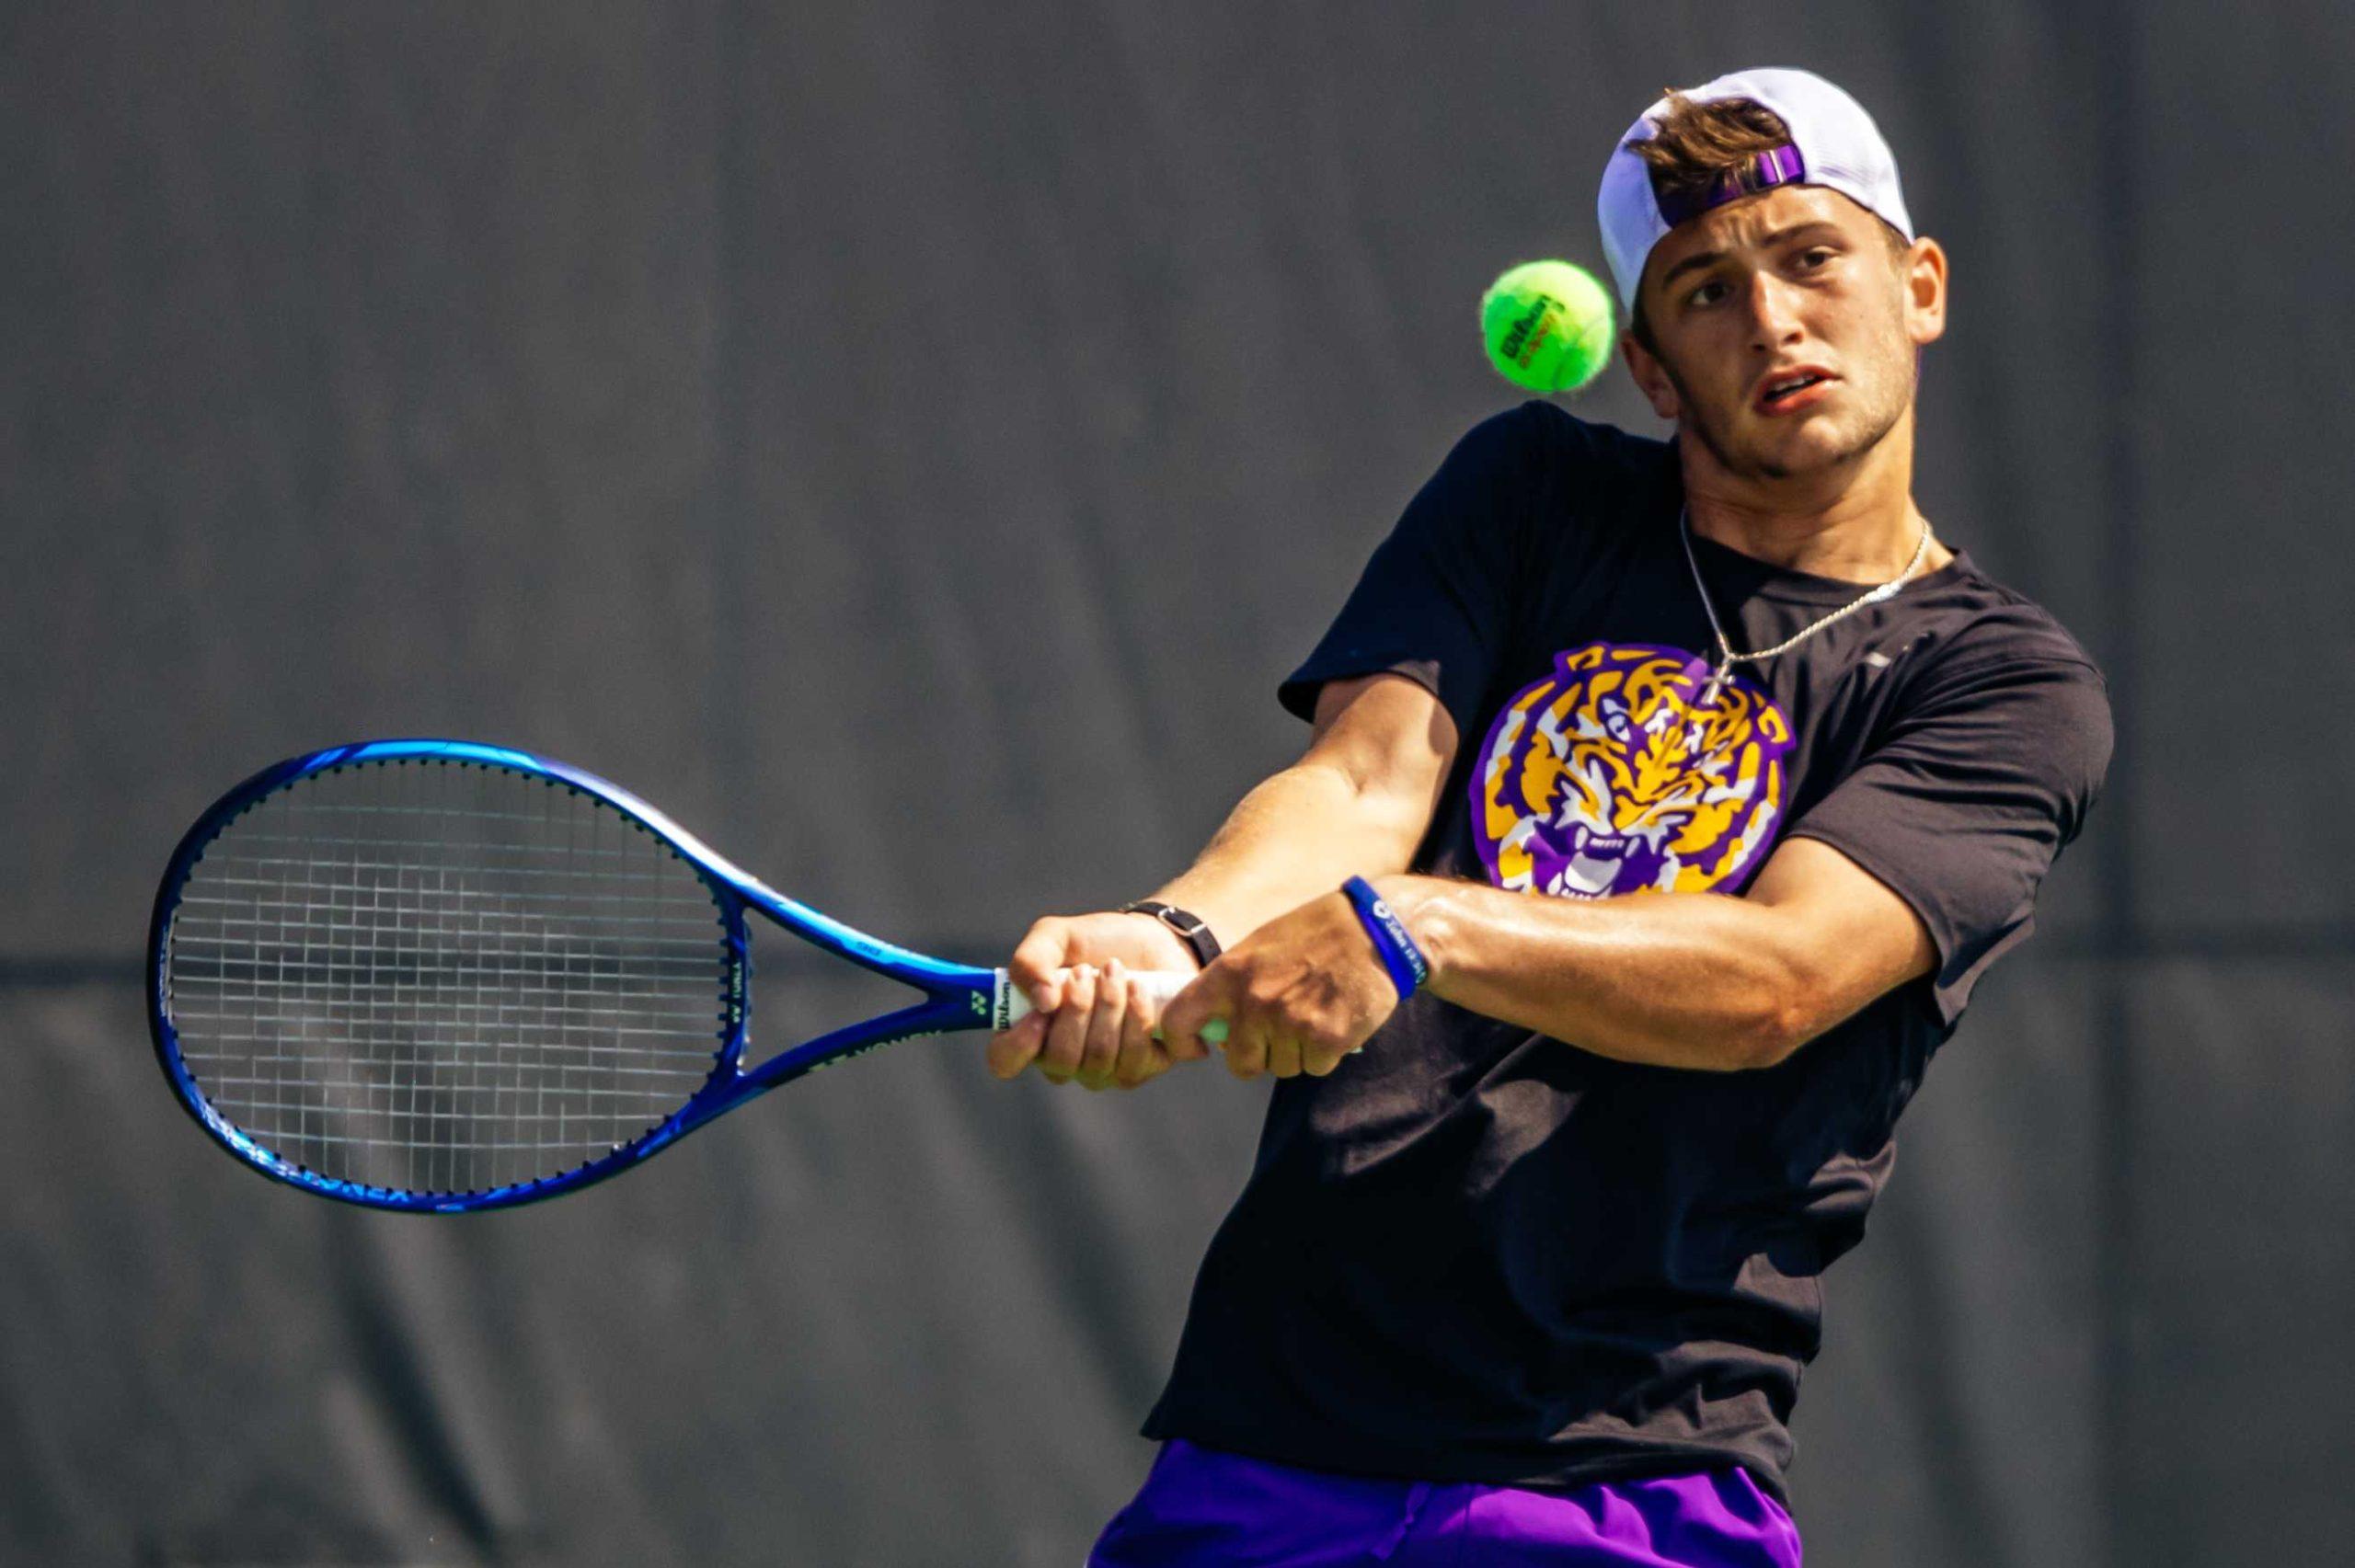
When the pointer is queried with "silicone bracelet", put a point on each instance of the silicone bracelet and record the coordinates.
(1408, 969)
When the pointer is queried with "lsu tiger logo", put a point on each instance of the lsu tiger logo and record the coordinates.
(1607, 776)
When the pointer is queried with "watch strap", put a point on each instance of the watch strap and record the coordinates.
(1192, 929)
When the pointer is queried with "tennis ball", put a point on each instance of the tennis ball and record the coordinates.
(1548, 324)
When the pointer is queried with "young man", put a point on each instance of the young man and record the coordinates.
(1698, 783)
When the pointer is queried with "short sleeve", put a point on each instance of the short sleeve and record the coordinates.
(1435, 602)
(1980, 780)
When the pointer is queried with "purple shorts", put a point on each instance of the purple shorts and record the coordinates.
(1204, 1506)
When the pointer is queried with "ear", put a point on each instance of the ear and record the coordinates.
(1925, 268)
(1651, 376)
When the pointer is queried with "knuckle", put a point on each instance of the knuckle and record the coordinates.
(1263, 991)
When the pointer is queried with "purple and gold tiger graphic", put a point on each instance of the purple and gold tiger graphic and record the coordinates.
(1604, 777)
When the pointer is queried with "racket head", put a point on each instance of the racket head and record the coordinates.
(433, 976)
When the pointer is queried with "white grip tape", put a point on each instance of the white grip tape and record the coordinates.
(1011, 1006)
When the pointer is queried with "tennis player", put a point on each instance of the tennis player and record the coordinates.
(1665, 802)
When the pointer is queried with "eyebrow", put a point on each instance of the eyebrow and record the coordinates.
(1710, 257)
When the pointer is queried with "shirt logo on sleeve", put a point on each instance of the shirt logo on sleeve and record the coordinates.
(1604, 777)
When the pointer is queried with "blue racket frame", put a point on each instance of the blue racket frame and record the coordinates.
(957, 996)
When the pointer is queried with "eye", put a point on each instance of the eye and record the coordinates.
(1707, 293)
(1815, 256)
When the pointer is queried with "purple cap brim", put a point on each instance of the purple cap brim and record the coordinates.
(1776, 166)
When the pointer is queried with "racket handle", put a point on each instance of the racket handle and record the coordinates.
(1011, 1006)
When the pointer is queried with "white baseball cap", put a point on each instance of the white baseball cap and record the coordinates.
(1833, 142)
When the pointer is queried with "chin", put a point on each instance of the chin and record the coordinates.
(1808, 449)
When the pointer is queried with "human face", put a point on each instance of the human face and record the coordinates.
(1785, 330)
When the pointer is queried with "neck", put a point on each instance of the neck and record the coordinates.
(1855, 521)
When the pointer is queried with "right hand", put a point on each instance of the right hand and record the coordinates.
(1091, 1027)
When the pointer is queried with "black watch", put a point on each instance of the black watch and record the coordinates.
(1189, 927)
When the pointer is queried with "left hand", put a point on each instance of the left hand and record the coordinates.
(1298, 994)
(1086, 1026)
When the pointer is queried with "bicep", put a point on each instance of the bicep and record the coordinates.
(1389, 737)
(1850, 937)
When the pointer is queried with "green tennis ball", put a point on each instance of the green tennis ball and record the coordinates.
(1548, 324)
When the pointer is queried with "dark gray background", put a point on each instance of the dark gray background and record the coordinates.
(908, 441)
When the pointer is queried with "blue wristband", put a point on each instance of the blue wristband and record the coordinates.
(1408, 969)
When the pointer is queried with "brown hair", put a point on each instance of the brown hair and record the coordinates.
(1697, 145)
(1697, 142)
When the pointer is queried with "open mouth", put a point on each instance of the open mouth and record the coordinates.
(1793, 389)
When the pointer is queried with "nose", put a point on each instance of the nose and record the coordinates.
(1774, 311)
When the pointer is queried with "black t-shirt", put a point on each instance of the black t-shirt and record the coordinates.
(1476, 1254)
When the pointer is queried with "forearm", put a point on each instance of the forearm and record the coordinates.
(1301, 833)
(1678, 980)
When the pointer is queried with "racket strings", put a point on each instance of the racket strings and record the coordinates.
(434, 978)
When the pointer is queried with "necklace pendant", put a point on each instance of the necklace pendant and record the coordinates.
(1717, 683)
(1701, 680)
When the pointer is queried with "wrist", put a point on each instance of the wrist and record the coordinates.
(1400, 954)
(1421, 904)
(1169, 954)
(1188, 933)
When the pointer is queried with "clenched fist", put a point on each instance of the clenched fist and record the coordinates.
(1299, 994)
(1092, 1027)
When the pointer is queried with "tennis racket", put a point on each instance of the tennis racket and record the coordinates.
(438, 976)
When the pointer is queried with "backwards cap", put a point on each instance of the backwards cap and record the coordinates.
(1833, 142)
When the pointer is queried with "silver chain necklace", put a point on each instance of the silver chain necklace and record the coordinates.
(1728, 658)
